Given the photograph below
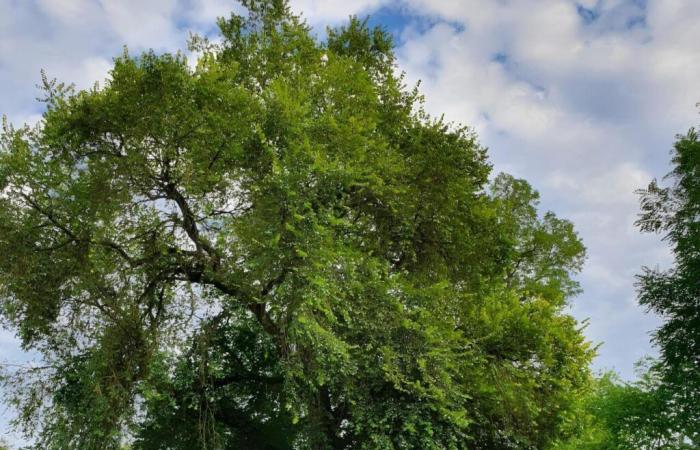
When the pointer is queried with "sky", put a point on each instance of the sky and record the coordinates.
(581, 98)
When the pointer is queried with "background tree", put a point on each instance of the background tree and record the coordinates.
(637, 415)
(279, 249)
(674, 294)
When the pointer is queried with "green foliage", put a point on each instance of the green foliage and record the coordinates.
(660, 411)
(629, 416)
(674, 294)
(543, 251)
(278, 249)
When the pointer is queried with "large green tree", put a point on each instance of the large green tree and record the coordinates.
(278, 249)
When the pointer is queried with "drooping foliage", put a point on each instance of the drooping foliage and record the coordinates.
(278, 249)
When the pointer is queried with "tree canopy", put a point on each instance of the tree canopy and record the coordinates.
(674, 294)
(277, 248)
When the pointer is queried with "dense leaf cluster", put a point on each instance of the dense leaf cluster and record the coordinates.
(278, 249)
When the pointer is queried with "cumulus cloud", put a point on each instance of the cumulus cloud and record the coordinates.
(324, 12)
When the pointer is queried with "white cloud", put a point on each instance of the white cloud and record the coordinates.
(610, 189)
(330, 12)
(203, 12)
(73, 12)
(145, 24)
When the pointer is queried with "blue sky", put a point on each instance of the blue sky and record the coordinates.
(583, 99)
